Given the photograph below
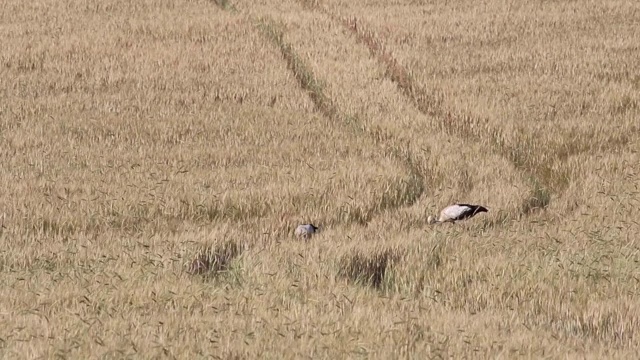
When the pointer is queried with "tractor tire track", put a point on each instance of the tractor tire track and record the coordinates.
(539, 164)
(414, 184)
(412, 187)
(464, 126)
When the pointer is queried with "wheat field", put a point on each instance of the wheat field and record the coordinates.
(139, 136)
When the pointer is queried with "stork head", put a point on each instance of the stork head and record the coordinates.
(431, 220)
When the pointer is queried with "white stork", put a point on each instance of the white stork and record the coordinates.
(305, 231)
(457, 212)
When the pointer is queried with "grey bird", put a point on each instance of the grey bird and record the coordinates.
(456, 212)
(305, 231)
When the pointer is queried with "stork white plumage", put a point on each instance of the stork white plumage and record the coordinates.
(305, 231)
(457, 212)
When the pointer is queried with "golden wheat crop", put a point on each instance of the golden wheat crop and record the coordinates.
(156, 155)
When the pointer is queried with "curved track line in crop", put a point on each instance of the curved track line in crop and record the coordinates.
(414, 184)
(462, 125)
(536, 163)
(411, 188)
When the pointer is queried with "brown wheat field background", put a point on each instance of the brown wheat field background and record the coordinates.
(138, 136)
